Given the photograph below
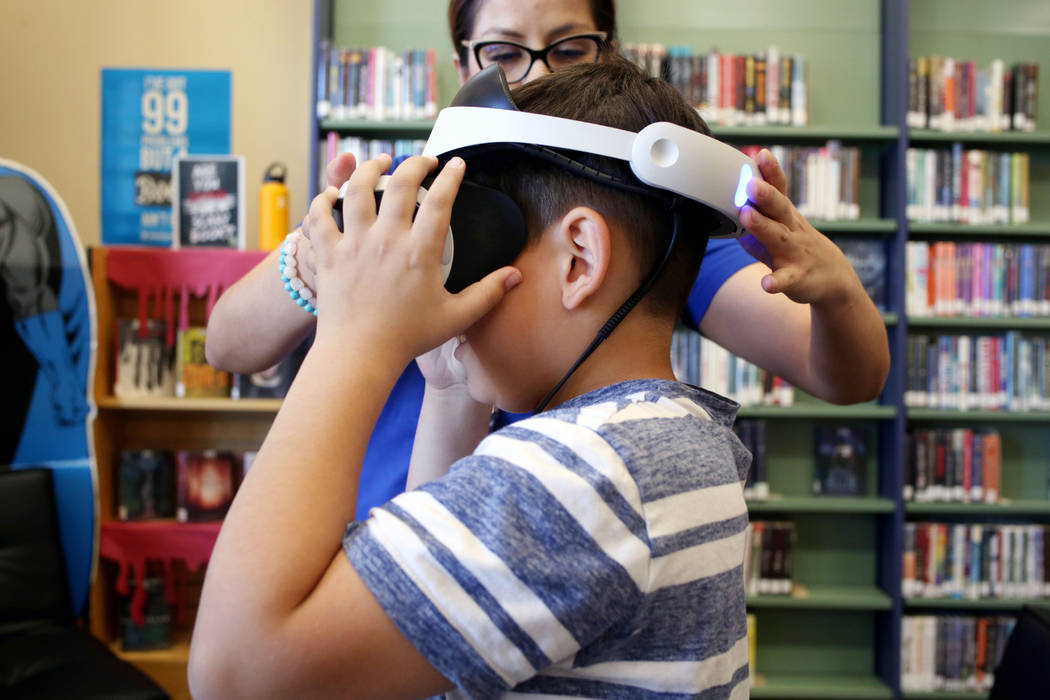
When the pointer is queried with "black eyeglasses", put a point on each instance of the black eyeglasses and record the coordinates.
(517, 60)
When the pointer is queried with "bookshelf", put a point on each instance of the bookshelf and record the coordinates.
(1012, 31)
(155, 423)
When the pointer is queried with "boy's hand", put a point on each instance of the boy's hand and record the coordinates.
(807, 266)
(380, 283)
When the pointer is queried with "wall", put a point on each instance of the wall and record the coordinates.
(51, 53)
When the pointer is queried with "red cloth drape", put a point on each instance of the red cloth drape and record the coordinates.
(160, 273)
(131, 544)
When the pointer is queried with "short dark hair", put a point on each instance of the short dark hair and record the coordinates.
(612, 93)
(462, 15)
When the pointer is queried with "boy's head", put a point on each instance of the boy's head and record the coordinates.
(553, 200)
(618, 94)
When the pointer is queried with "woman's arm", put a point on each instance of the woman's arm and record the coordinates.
(804, 315)
(255, 323)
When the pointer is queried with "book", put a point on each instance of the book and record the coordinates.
(207, 480)
(868, 258)
(195, 377)
(155, 632)
(271, 383)
(146, 485)
(842, 461)
(144, 363)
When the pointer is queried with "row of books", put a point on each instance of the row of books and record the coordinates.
(147, 367)
(984, 372)
(841, 464)
(768, 551)
(952, 94)
(951, 652)
(959, 465)
(967, 186)
(188, 485)
(334, 144)
(975, 560)
(732, 89)
(375, 83)
(946, 278)
(823, 182)
(702, 362)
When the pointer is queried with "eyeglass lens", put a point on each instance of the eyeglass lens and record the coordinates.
(516, 61)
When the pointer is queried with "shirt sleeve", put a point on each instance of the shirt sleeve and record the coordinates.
(723, 258)
(493, 572)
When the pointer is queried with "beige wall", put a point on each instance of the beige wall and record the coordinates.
(51, 53)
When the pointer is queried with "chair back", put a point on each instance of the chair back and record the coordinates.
(48, 336)
(33, 581)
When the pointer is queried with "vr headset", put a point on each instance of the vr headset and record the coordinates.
(487, 229)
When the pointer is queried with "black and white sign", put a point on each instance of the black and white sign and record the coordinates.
(208, 201)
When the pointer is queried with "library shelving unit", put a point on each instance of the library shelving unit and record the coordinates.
(1012, 31)
(156, 423)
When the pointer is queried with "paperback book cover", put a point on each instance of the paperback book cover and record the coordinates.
(146, 485)
(155, 633)
(842, 461)
(207, 481)
(145, 366)
(195, 377)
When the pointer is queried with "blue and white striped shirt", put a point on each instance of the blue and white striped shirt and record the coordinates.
(594, 550)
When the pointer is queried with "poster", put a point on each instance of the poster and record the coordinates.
(208, 201)
(149, 117)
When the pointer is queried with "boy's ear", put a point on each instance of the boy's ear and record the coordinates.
(585, 240)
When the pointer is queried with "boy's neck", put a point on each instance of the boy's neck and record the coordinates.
(639, 348)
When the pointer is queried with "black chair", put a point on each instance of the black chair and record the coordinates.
(43, 653)
(1024, 670)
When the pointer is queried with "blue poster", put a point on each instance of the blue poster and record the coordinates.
(148, 118)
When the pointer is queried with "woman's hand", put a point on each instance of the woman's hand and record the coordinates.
(806, 265)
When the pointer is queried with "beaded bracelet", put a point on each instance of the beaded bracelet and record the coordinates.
(289, 269)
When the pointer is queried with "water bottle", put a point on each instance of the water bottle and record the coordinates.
(273, 207)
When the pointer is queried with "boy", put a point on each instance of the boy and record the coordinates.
(593, 550)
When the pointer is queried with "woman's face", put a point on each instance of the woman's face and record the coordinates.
(534, 23)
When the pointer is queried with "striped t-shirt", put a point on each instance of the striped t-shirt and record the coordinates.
(594, 550)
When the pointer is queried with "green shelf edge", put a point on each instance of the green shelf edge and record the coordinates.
(822, 504)
(1026, 138)
(855, 226)
(809, 133)
(1027, 322)
(944, 695)
(1019, 507)
(1034, 229)
(889, 317)
(963, 604)
(971, 416)
(421, 126)
(819, 410)
(821, 687)
(827, 598)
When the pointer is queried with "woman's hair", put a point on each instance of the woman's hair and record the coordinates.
(462, 15)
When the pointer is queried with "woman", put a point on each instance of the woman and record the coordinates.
(800, 313)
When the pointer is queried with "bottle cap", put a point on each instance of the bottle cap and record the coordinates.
(275, 172)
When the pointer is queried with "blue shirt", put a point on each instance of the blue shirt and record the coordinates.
(385, 466)
(574, 554)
